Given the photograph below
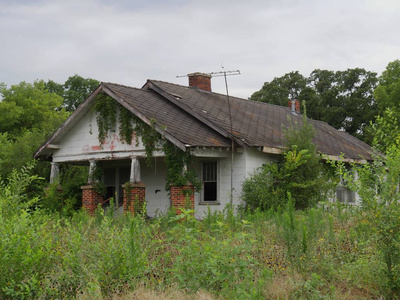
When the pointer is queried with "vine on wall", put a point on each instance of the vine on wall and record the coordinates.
(106, 109)
(176, 160)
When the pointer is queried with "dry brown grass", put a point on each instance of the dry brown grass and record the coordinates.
(145, 294)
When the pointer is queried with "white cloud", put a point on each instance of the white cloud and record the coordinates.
(130, 41)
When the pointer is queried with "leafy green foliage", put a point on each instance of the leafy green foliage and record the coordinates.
(386, 130)
(29, 107)
(387, 95)
(300, 173)
(65, 196)
(177, 162)
(106, 109)
(18, 151)
(325, 252)
(377, 184)
(343, 99)
(281, 89)
(28, 114)
(109, 112)
(14, 193)
(74, 91)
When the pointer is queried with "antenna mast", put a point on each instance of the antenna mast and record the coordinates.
(228, 73)
(219, 74)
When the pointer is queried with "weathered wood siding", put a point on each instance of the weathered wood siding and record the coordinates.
(81, 143)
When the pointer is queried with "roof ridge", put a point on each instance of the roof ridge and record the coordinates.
(224, 95)
(182, 105)
(125, 86)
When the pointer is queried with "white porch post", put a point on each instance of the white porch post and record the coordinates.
(135, 171)
(54, 172)
(184, 170)
(92, 168)
(134, 190)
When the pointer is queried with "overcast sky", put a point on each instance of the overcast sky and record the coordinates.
(128, 42)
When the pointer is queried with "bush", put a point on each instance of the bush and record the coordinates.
(301, 173)
(377, 183)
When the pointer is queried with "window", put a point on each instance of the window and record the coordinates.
(344, 194)
(210, 175)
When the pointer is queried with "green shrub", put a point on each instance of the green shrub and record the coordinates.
(300, 173)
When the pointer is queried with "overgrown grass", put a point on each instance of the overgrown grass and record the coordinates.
(327, 252)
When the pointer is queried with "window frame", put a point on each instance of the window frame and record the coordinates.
(344, 194)
(217, 181)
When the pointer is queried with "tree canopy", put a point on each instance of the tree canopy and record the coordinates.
(343, 99)
(28, 114)
(27, 107)
(387, 95)
(281, 89)
(74, 91)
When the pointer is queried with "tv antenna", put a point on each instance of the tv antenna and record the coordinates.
(229, 73)
(224, 74)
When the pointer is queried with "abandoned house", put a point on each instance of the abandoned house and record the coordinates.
(227, 139)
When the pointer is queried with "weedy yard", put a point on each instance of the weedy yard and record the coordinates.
(328, 252)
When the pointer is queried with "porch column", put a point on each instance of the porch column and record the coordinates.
(92, 168)
(91, 198)
(182, 197)
(135, 171)
(134, 190)
(54, 172)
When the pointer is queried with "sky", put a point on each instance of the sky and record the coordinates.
(128, 42)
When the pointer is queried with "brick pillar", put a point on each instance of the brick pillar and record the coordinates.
(90, 198)
(134, 197)
(182, 197)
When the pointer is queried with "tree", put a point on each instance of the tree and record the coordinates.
(387, 94)
(300, 173)
(328, 107)
(356, 87)
(74, 91)
(385, 130)
(281, 89)
(343, 99)
(391, 75)
(28, 114)
(27, 107)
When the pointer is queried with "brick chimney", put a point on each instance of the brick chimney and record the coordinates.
(200, 80)
(294, 105)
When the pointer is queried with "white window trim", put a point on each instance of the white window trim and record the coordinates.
(212, 202)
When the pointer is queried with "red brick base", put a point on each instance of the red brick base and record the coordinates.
(182, 197)
(134, 198)
(90, 198)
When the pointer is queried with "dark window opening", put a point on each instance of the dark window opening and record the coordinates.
(210, 191)
(210, 181)
(110, 193)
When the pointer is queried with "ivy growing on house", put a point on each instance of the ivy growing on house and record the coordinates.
(176, 160)
(106, 109)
